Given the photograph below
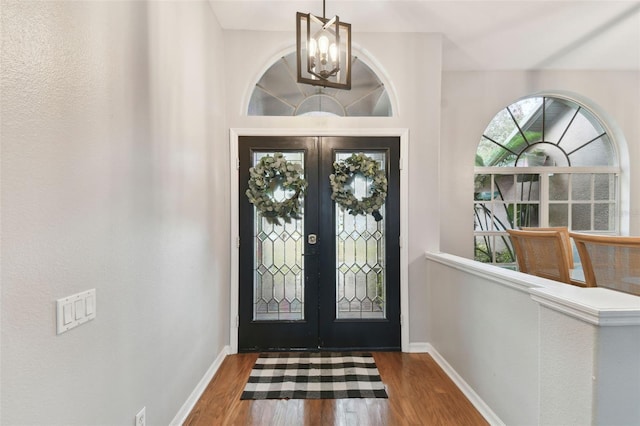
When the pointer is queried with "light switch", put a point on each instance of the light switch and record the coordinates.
(67, 313)
(79, 309)
(75, 310)
(89, 305)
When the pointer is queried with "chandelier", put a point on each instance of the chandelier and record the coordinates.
(323, 50)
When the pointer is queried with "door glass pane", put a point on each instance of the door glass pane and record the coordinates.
(278, 261)
(360, 255)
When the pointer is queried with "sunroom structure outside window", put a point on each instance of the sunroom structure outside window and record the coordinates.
(543, 161)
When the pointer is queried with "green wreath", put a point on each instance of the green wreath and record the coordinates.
(345, 171)
(269, 174)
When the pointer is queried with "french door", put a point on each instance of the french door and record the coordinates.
(329, 280)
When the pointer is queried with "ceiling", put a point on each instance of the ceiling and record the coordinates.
(478, 34)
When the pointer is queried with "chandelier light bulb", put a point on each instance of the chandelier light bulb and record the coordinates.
(333, 52)
(313, 48)
(323, 44)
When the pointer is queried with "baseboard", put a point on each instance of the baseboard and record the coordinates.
(467, 390)
(419, 347)
(202, 385)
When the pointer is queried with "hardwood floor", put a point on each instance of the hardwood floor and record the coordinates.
(420, 393)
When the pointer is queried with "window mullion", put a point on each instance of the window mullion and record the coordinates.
(570, 202)
(515, 222)
(543, 209)
(617, 204)
(593, 201)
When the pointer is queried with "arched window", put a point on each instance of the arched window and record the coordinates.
(543, 161)
(278, 93)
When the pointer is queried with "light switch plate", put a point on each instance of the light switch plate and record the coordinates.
(75, 310)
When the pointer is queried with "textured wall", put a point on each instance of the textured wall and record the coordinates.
(114, 177)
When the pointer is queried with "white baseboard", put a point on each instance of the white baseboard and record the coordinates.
(202, 385)
(467, 390)
(419, 347)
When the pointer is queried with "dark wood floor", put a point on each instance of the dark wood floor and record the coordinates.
(420, 393)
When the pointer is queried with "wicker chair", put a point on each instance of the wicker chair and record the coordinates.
(542, 253)
(566, 239)
(610, 261)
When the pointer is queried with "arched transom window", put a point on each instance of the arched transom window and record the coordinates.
(543, 161)
(277, 93)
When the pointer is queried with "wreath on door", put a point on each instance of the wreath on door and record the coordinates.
(271, 173)
(344, 173)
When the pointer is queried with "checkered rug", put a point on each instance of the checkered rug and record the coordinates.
(314, 376)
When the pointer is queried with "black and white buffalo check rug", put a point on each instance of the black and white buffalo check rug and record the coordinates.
(314, 376)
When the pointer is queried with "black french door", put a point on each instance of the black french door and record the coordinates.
(329, 280)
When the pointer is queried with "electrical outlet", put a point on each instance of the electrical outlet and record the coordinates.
(141, 417)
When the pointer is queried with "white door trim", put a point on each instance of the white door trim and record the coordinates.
(403, 134)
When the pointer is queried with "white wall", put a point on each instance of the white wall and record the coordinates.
(488, 332)
(471, 99)
(114, 177)
(410, 65)
(528, 351)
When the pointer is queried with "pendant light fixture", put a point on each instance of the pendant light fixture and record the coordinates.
(323, 50)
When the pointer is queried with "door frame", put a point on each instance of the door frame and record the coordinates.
(234, 135)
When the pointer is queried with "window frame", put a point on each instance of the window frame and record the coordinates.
(544, 201)
(544, 172)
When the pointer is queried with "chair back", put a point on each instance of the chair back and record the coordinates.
(566, 239)
(541, 253)
(610, 261)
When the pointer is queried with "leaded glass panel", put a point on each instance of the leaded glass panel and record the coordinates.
(360, 255)
(278, 261)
